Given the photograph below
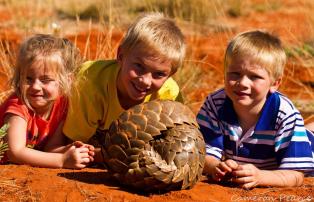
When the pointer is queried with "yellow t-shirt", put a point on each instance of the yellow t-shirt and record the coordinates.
(95, 104)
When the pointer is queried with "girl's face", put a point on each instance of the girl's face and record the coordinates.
(141, 73)
(41, 88)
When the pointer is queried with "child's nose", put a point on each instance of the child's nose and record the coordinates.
(147, 79)
(243, 81)
(36, 84)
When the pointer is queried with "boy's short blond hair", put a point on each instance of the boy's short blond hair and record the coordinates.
(264, 48)
(159, 34)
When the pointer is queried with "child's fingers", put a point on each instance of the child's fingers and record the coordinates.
(249, 185)
(219, 172)
(90, 147)
(224, 167)
(83, 162)
(86, 160)
(78, 144)
(91, 159)
(83, 155)
(232, 164)
(82, 150)
(242, 173)
(242, 180)
(91, 153)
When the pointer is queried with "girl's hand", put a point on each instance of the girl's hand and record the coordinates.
(224, 169)
(91, 148)
(248, 176)
(77, 155)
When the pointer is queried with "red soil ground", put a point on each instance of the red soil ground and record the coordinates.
(25, 183)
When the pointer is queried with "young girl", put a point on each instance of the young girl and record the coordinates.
(37, 108)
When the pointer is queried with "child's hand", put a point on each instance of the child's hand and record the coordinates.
(91, 152)
(248, 176)
(77, 155)
(223, 169)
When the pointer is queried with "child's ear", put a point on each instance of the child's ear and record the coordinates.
(119, 54)
(274, 87)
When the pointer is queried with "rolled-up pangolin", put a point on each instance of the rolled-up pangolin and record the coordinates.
(155, 146)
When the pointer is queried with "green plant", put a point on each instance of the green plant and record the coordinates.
(302, 52)
(3, 145)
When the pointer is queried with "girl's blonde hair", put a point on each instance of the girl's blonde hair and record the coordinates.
(56, 54)
(158, 33)
(264, 48)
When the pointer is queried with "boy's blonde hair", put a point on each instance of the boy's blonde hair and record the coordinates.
(158, 33)
(56, 54)
(264, 48)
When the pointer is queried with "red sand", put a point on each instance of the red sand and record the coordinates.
(24, 183)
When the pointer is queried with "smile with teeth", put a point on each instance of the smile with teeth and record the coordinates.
(142, 90)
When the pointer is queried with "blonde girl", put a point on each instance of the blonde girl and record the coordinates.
(43, 77)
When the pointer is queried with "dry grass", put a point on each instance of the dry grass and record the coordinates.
(7, 57)
(10, 190)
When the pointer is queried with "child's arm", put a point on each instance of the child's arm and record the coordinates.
(248, 176)
(18, 152)
(59, 143)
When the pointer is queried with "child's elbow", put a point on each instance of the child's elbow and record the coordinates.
(14, 155)
(300, 178)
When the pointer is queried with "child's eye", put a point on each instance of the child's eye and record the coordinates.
(46, 80)
(139, 68)
(29, 80)
(233, 75)
(159, 75)
(255, 77)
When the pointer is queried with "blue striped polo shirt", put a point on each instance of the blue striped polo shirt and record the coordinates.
(279, 139)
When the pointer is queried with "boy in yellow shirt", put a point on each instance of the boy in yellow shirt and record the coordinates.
(150, 53)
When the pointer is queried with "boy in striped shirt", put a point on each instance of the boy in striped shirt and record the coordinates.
(254, 135)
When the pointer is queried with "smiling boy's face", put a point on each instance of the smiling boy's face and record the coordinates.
(141, 73)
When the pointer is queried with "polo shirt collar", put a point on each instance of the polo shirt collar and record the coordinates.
(267, 120)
